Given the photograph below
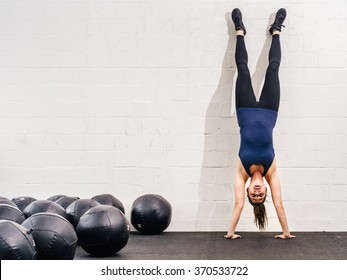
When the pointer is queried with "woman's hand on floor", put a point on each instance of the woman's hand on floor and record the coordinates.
(285, 236)
(232, 236)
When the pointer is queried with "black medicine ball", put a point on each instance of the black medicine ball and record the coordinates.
(151, 214)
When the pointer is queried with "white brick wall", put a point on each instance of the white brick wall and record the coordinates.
(134, 96)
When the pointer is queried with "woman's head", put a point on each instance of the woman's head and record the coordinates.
(256, 193)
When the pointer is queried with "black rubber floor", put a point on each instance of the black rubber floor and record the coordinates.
(212, 246)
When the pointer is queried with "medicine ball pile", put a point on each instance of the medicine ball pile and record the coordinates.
(52, 229)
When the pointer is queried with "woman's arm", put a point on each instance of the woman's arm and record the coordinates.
(275, 186)
(239, 189)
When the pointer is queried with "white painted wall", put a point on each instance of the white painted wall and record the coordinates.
(134, 96)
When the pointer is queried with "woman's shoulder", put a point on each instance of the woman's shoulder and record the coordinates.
(272, 170)
(240, 170)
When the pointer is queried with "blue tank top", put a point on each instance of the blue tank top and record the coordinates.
(256, 126)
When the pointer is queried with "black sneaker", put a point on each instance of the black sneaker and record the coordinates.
(278, 23)
(236, 16)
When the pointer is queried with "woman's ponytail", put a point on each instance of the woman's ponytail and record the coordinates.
(260, 218)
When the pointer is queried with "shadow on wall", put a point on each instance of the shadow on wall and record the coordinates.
(222, 141)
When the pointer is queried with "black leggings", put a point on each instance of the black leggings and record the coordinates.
(270, 94)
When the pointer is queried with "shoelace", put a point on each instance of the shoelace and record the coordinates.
(278, 20)
(277, 23)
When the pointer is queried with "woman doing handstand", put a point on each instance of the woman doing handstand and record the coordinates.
(256, 120)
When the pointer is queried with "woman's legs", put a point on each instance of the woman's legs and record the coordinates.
(243, 90)
(270, 95)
